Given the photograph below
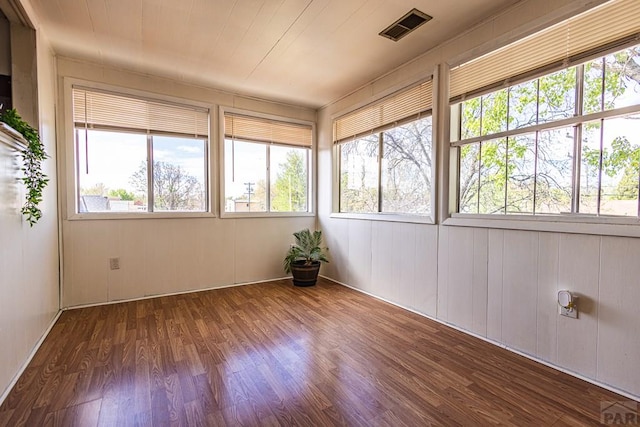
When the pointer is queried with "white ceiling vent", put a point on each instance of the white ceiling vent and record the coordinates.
(405, 25)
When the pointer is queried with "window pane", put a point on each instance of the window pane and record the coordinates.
(592, 102)
(469, 177)
(494, 112)
(537, 175)
(359, 175)
(179, 180)
(406, 168)
(523, 105)
(289, 179)
(622, 86)
(493, 158)
(245, 173)
(470, 117)
(109, 171)
(589, 168)
(521, 162)
(553, 178)
(621, 158)
(557, 96)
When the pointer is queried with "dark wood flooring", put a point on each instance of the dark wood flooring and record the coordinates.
(272, 354)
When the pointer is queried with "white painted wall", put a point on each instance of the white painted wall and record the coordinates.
(159, 256)
(498, 284)
(29, 263)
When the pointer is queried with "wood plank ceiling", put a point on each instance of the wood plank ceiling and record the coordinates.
(306, 52)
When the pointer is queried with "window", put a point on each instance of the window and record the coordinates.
(267, 165)
(139, 155)
(559, 139)
(385, 153)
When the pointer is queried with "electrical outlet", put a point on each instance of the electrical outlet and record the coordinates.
(114, 263)
(573, 313)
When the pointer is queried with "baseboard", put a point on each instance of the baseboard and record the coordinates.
(496, 343)
(17, 376)
(169, 294)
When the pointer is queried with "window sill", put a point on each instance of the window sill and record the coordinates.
(151, 215)
(575, 224)
(389, 217)
(238, 215)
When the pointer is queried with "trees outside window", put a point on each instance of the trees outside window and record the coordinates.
(388, 171)
(289, 178)
(248, 165)
(138, 155)
(566, 142)
(385, 153)
(267, 164)
(113, 177)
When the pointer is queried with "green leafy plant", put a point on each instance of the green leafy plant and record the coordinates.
(33, 156)
(307, 248)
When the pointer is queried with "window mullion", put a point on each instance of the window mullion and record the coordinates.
(600, 160)
(480, 157)
(577, 140)
(380, 156)
(150, 167)
(268, 180)
(535, 159)
(339, 164)
(506, 158)
(571, 121)
(309, 181)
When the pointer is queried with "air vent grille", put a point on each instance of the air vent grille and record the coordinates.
(405, 25)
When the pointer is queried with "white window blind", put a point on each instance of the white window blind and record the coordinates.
(105, 110)
(406, 105)
(257, 129)
(612, 24)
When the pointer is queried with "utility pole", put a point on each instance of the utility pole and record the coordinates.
(249, 192)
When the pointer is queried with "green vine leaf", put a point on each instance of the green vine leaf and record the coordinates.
(33, 156)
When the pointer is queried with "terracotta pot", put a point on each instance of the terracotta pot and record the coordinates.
(305, 275)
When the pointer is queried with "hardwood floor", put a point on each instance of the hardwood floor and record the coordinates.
(272, 354)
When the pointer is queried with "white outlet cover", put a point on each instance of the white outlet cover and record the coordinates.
(569, 313)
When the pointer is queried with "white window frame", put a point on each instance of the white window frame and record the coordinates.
(570, 222)
(577, 120)
(429, 218)
(312, 193)
(70, 156)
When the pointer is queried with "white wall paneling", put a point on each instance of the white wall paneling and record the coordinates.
(547, 322)
(618, 340)
(359, 255)
(519, 290)
(425, 293)
(578, 272)
(480, 291)
(460, 277)
(442, 279)
(338, 246)
(495, 249)
(382, 260)
(162, 256)
(29, 262)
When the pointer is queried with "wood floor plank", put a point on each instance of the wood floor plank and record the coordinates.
(273, 354)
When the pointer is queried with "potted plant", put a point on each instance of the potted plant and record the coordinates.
(304, 257)
(32, 156)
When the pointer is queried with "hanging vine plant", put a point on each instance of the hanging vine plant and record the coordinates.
(32, 156)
